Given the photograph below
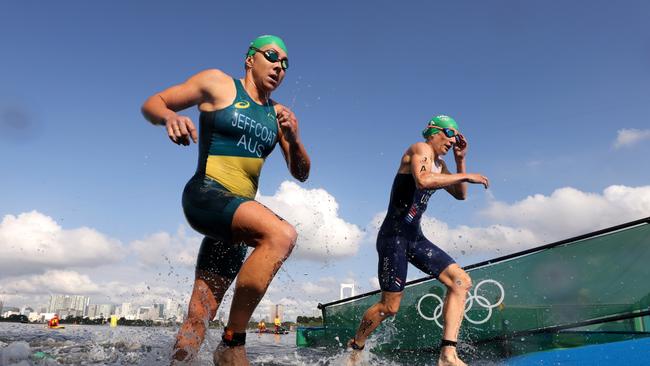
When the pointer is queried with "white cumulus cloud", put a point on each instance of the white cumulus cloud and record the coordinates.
(26, 288)
(310, 288)
(569, 212)
(322, 234)
(57, 281)
(166, 249)
(630, 136)
(33, 242)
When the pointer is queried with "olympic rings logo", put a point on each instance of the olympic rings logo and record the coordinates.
(480, 300)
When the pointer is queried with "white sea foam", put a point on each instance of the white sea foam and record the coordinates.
(15, 353)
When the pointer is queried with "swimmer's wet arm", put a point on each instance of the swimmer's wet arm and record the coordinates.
(458, 190)
(426, 179)
(293, 150)
(198, 89)
(297, 159)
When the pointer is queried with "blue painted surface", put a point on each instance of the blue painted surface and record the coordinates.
(628, 353)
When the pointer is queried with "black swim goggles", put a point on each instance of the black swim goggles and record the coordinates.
(447, 131)
(450, 133)
(272, 56)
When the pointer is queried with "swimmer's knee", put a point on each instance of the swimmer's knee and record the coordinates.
(469, 282)
(283, 238)
(202, 314)
(461, 282)
(390, 310)
(290, 235)
(196, 321)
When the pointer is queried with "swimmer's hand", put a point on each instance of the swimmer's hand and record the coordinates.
(180, 129)
(478, 179)
(288, 123)
(460, 148)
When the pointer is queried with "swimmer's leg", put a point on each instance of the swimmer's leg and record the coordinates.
(377, 313)
(458, 284)
(209, 289)
(392, 270)
(432, 260)
(273, 240)
(216, 267)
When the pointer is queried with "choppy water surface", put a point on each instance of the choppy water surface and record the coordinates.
(35, 344)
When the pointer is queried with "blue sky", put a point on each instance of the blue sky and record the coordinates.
(542, 91)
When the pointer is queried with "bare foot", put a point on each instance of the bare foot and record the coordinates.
(355, 354)
(354, 359)
(230, 356)
(180, 357)
(450, 360)
(183, 355)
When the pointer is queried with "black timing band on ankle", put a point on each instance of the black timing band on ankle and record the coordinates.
(232, 339)
(357, 347)
(448, 343)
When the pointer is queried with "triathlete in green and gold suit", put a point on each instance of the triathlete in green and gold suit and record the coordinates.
(233, 143)
(239, 126)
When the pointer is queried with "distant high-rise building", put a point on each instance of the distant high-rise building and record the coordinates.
(146, 313)
(159, 311)
(106, 310)
(93, 311)
(56, 302)
(125, 309)
(71, 304)
(79, 304)
(1, 306)
(276, 311)
(173, 310)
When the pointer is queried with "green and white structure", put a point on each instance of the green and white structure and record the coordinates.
(586, 290)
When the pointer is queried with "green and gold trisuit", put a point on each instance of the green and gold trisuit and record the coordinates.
(233, 145)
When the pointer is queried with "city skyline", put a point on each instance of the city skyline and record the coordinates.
(80, 306)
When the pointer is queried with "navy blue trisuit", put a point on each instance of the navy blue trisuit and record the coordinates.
(400, 239)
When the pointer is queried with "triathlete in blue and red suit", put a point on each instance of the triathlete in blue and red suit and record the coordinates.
(400, 240)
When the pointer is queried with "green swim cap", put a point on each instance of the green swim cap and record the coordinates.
(262, 41)
(440, 121)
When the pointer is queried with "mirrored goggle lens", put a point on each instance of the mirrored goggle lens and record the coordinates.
(448, 132)
(273, 56)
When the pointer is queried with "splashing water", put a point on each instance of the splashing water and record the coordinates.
(34, 344)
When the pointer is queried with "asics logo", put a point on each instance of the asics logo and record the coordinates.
(242, 105)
